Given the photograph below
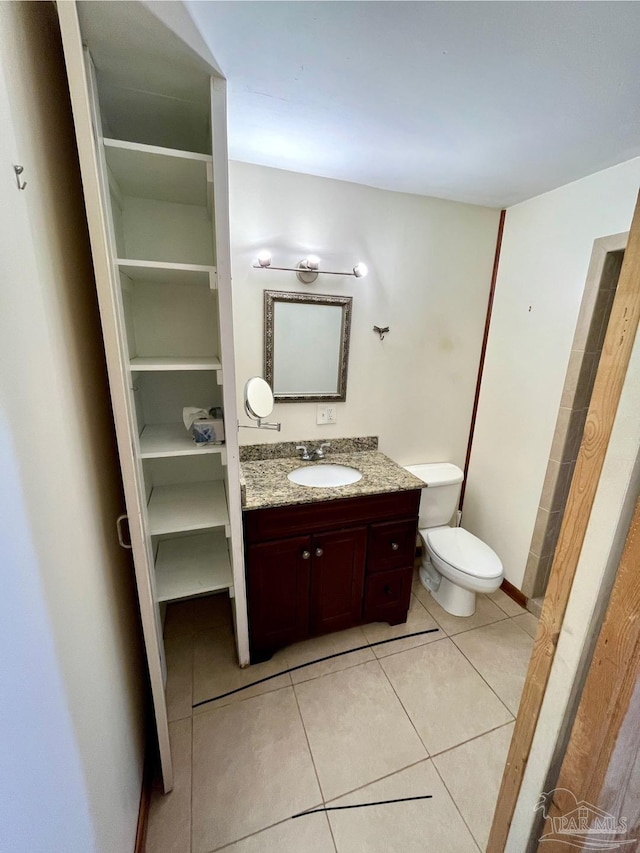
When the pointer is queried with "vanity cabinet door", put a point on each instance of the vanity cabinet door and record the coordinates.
(337, 579)
(278, 594)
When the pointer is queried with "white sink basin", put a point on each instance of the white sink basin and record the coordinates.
(324, 476)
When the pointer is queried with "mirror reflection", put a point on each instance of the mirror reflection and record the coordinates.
(307, 345)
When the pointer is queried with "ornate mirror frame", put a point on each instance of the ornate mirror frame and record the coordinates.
(271, 297)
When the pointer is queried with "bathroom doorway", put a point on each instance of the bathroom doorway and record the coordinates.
(586, 349)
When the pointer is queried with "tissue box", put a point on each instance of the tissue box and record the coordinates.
(208, 431)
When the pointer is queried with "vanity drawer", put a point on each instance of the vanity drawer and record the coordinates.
(392, 545)
(280, 522)
(387, 596)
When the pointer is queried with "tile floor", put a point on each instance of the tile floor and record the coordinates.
(430, 715)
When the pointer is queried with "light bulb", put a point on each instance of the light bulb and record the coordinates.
(312, 262)
(360, 270)
(264, 258)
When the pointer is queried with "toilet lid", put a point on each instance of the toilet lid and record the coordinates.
(464, 552)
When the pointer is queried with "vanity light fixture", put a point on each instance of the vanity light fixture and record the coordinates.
(307, 270)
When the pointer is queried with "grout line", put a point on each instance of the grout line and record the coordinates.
(456, 806)
(306, 737)
(471, 739)
(319, 809)
(197, 713)
(513, 618)
(312, 663)
(419, 646)
(333, 838)
(408, 715)
(374, 781)
(466, 630)
(500, 699)
(344, 669)
(251, 835)
(313, 762)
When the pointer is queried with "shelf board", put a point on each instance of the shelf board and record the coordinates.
(174, 363)
(187, 506)
(159, 272)
(164, 174)
(158, 440)
(192, 565)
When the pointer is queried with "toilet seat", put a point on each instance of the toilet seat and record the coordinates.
(464, 552)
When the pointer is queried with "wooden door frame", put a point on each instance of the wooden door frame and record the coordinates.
(607, 391)
(605, 742)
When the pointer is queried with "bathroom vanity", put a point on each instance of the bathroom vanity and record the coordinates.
(325, 559)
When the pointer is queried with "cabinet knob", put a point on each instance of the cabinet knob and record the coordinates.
(306, 555)
(319, 552)
(387, 590)
(394, 546)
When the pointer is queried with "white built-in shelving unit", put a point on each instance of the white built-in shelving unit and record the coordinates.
(171, 326)
(150, 116)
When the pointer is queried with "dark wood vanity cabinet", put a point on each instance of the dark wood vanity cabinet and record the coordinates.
(326, 566)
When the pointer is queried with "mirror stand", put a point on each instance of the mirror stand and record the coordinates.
(258, 404)
(260, 425)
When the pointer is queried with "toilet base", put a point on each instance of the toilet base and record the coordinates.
(451, 597)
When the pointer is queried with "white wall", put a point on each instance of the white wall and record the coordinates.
(71, 714)
(545, 255)
(429, 273)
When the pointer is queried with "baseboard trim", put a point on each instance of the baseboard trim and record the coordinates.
(145, 802)
(513, 592)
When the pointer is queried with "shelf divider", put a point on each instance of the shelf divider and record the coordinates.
(192, 565)
(181, 507)
(160, 440)
(158, 362)
(164, 174)
(163, 272)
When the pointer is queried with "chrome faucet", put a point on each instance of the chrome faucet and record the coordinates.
(319, 453)
(305, 456)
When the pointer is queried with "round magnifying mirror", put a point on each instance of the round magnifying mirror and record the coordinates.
(258, 398)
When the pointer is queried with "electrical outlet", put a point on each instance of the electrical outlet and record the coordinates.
(326, 415)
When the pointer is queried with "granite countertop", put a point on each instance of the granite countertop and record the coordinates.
(264, 483)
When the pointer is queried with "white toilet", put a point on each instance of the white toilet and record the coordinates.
(455, 563)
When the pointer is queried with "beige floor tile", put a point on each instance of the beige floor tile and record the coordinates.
(319, 647)
(506, 603)
(501, 655)
(472, 773)
(251, 769)
(169, 826)
(412, 827)
(198, 614)
(309, 834)
(447, 700)
(357, 728)
(179, 689)
(418, 619)
(216, 671)
(486, 612)
(528, 622)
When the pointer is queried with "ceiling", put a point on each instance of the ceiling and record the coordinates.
(482, 102)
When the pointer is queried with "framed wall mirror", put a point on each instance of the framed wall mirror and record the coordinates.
(306, 346)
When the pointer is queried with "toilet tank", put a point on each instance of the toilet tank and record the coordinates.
(439, 500)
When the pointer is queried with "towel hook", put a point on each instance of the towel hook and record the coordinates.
(19, 170)
(381, 332)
